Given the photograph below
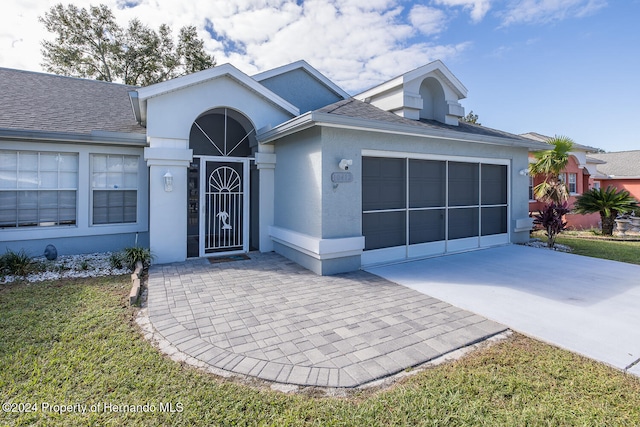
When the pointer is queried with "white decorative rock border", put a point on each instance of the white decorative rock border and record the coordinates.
(70, 266)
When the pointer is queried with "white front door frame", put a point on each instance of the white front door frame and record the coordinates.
(204, 183)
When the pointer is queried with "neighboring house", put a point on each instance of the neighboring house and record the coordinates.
(579, 175)
(220, 162)
(621, 170)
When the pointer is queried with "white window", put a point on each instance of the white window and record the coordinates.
(573, 179)
(596, 185)
(37, 189)
(562, 178)
(531, 186)
(114, 189)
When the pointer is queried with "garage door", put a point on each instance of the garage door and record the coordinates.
(414, 207)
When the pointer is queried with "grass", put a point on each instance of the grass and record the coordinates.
(617, 250)
(74, 342)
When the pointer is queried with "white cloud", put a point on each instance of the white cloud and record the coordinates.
(479, 8)
(427, 20)
(356, 43)
(543, 11)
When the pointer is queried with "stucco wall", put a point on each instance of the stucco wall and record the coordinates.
(172, 114)
(342, 207)
(631, 185)
(301, 89)
(298, 183)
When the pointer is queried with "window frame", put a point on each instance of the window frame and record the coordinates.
(574, 183)
(39, 170)
(93, 188)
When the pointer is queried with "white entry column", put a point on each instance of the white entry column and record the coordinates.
(266, 163)
(168, 166)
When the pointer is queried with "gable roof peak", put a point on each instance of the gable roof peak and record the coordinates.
(305, 66)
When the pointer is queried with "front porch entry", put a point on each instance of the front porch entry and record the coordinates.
(218, 216)
(219, 184)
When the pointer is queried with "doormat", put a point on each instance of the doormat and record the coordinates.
(228, 258)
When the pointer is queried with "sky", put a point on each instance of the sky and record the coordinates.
(555, 67)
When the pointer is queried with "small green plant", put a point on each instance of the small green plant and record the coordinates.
(16, 263)
(115, 260)
(84, 265)
(133, 254)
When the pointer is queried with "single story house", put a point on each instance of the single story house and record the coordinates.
(220, 162)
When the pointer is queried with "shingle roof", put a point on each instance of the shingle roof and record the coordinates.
(50, 103)
(544, 138)
(619, 164)
(355, 108)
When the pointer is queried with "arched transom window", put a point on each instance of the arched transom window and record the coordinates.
(222, 132)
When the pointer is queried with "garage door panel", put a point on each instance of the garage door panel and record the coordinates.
(427, 183)
(494, 220)
(463, 184)
(384, 229)
(494, 184)
(383, 183)
(426, 226)
(463, 222)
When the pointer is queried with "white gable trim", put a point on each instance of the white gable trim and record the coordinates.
(224, 70)
(443, 72)
(303, 65)
(436, 67)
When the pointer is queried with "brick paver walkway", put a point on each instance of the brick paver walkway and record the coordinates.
(270, 318)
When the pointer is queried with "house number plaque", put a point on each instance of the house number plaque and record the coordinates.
(341, 177)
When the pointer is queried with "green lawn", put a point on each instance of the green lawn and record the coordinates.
(608, 249)
(75, 342)
(594, 245)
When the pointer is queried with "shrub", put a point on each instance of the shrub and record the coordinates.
(115, 260)
(608, 203)
(16, 263)
(551, 218)
(134, 254)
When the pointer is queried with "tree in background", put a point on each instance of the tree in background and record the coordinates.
(608, 203)
(549, 164)
(471, 118)
(90, 44)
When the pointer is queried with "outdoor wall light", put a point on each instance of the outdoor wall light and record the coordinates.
(345, 163)
(524, 172)
(168, 182)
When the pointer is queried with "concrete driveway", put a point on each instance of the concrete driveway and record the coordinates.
(586, 305)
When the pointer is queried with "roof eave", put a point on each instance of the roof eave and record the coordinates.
(96, 137)
(332, 120)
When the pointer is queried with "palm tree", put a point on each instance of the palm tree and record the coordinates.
(609, 203)
(549, 164)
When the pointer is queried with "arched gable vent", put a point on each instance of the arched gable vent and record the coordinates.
(434, 104)
(430, 92)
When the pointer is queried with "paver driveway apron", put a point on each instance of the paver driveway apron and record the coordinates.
(270, 318)
(587, 305)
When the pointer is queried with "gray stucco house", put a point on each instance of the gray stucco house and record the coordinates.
(220, 162)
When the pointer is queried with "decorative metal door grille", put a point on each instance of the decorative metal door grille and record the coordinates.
(224, 200)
